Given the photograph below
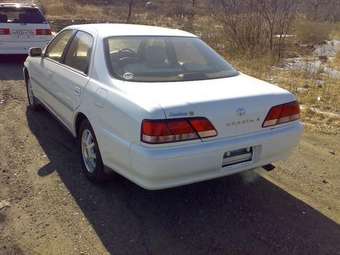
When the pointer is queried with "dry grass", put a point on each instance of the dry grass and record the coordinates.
(319, 96)
(317, 90)
(335, 34)
(320, 122)
(312, 32)
(73, 10)
(336, 62)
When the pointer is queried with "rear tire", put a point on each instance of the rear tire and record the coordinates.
(91, 160)
(33, 102)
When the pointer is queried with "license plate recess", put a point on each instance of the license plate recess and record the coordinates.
(237, 156)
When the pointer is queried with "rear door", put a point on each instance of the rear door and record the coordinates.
(23, 25)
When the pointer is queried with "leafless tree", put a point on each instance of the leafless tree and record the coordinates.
(317, 5)
(193, 7)
(257, 26)
(242, 24)
(181, 9)
(130, 5)
(321, 10)
(278, 16)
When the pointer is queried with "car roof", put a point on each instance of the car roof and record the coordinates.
(107, 30)
(19, 5)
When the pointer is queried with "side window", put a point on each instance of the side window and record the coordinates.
(56, 49)
(79, 53)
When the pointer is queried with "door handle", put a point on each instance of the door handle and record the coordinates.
(101, 95)
(99, 104)
(77, 91)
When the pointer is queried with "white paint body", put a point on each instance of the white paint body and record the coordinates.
(22, 37)
(116, 108)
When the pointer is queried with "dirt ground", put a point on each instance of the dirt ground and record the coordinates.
(48, 207)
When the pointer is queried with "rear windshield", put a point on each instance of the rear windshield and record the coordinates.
(164, 59)
(21, 15)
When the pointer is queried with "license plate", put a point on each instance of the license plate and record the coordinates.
(23, 34)
(237, 156)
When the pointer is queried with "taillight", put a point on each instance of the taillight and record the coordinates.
(43, 32)
(176, 130)
(203, 127)
(282, 114)
(5, 31)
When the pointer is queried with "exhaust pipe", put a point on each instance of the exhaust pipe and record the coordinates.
(269, 167)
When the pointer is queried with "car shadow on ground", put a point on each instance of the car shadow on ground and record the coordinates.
(11, 67)
(240, 214)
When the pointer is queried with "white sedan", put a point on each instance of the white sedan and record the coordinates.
(22, 26)
(158, 105)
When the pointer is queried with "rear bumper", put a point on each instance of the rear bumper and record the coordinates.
(20, 47)
(159, 168)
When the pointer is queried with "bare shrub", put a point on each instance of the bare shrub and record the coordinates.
(256, 26)
(179, 9)
(336, 61)
(312, 32)
(321, 10)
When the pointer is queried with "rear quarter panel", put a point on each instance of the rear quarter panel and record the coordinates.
(116, 120)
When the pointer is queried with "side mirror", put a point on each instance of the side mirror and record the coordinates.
(35, 52)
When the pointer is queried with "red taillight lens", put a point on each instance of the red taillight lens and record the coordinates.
(43, 32)
(203, 127)
(5, 31)
(175, 130)
(282, 114)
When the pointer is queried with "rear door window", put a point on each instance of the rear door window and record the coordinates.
(22, 15)
(79, 52)
(55, 50)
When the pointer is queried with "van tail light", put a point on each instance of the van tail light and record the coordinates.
(43, 32)
(282, 114)
(5, 31)
(176, 130)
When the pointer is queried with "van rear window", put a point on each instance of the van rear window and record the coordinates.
(21, 15)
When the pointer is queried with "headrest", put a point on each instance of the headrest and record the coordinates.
(155, 55)
(22, 17)
(3, 18)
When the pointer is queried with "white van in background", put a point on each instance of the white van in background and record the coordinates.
(22, 26)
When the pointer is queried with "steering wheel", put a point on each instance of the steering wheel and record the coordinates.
(127, 55)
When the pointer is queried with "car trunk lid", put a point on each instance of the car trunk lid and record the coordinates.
(235, 106)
